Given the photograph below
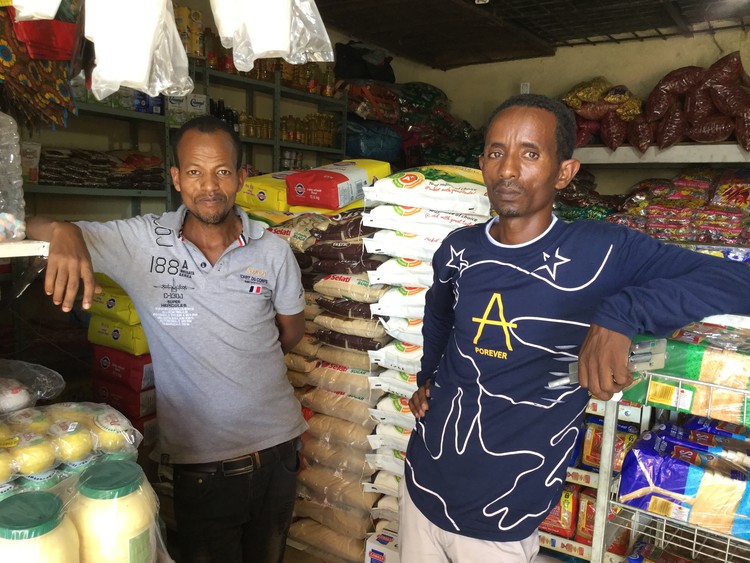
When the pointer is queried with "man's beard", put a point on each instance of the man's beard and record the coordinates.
(216, 219)
(507, 213)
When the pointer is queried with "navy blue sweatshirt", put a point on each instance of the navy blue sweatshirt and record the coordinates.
(488, 459)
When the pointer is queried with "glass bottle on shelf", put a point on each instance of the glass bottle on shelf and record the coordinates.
(312, 78)
(329, 86)
(284, 128)
(243, 125)
(212, 56)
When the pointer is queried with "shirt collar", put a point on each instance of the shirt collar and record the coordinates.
(175, 219)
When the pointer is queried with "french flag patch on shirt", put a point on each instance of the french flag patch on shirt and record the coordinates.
(256, 288)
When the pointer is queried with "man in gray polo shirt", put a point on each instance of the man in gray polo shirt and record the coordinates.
(221, 302)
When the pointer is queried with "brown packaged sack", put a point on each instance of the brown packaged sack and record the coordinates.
(640, 134)
(730, 99)
(682, 79)
(613, 131)
(711, 129)
(658, 104)
(672, 128)
(727, 70)
(698, 104)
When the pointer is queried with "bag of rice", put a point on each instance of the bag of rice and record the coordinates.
(350, 286)
(418, 221)
(401, 301)
(406, 330)
(403, 272)
(404, 245)
(442, 188)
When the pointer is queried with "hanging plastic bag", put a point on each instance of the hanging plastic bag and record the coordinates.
(35, 9)
(169, 70)
(254, 29)
(142, 51)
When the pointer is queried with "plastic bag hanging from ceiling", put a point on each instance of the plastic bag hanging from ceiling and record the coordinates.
(258, 29)
(137, 46)
(35, 9)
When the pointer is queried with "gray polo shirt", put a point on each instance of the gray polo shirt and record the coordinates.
(221, 383)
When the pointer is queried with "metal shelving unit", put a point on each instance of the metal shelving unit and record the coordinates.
(693, 153)
(18, 249)
(135, 119)
(279, 93)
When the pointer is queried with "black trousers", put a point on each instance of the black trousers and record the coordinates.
(237, 518)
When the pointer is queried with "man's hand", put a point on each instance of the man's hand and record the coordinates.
(69, 262)
(603, 362)
(419, 400)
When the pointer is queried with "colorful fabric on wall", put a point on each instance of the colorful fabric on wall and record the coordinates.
(37, 91)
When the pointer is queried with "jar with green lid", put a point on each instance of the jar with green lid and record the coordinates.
(8, 489)
(39, 481)
(114, 511)
(33, 527)
(128, 454)
(76, 467)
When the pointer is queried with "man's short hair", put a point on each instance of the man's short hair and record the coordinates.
(206, 124)
(565, 132)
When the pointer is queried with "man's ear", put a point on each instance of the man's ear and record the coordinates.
(175, 173)
(568, 170)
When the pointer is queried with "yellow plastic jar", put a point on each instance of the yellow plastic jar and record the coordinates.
(114, 512)
(34, 528)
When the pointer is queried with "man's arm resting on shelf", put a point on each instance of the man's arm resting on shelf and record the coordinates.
(68, 264)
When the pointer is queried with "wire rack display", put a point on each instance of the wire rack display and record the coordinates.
(693, 542)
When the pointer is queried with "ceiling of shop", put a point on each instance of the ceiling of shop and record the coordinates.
(446, 34)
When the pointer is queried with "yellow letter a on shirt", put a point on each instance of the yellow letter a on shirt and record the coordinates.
(485, 320)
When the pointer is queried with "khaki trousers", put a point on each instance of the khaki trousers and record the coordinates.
(420, 541)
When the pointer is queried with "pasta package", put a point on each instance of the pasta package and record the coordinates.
(695, 487)
(561, 520)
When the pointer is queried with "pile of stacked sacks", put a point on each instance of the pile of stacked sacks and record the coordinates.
(414, 211)
(330, 368)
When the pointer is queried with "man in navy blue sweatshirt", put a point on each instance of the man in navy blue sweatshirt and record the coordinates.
(513, 302)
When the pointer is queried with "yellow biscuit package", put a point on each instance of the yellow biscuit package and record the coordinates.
(114, 334)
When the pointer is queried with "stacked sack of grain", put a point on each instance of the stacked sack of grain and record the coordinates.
(414, 211)
(330, 368)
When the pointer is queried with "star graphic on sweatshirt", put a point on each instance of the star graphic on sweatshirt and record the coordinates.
(457, 260)
(552, 269)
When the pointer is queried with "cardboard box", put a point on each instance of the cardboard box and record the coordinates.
(140, 101)
(196, 104)
(175, 108)
(133, 372)
(382, 547)
(30, 153)
(156, 105)
(124, 98)
(133, 404)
